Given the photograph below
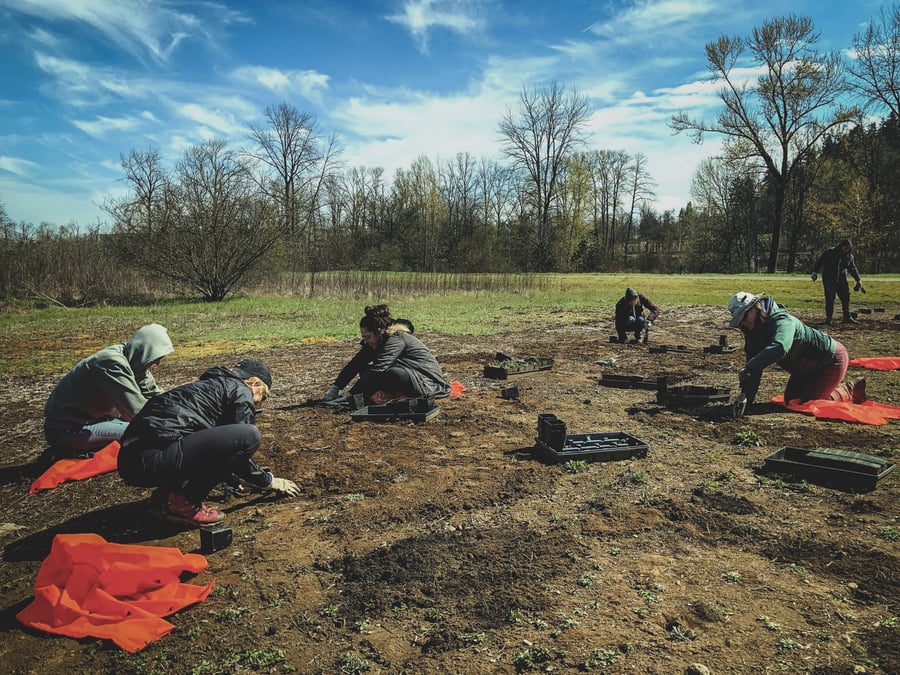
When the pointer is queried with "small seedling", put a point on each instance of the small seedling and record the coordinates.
(786, 644)
(615, 551)
(576, 465)
(586, 580)
(639, 477)
(768, 623)
(888, 533)
(748, 438)
(352, 663)
(891, 622)
(799, 570)
(681, 634)
(231, 614)
(363, 627)
(601, 658)
(515, 616)
(434, 615)
(529, 657)
(732, 577)
(647, 596)
(472, 639)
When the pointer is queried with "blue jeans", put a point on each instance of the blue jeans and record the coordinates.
(87, 438)
(633, 323)
(841, 288)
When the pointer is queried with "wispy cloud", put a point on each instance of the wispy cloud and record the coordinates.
(16, 165)
(134, 26)
(420, 17)
(307, 83)
(101, 126)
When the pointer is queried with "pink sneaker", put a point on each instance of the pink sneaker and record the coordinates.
(180, 510)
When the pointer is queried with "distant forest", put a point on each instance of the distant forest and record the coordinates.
(808, 161)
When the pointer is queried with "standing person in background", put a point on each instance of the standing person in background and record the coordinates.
(630, 315)
(398, 363)
(835, 263)
(816, 361)
(193, 437)
(95, 401)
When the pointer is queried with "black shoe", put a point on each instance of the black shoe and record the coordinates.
(827, 321)
(849, 319)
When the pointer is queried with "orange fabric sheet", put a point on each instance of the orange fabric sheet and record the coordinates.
(877, 362)
(103, 461)
(456, 388)
(88, 587)
(869, 412)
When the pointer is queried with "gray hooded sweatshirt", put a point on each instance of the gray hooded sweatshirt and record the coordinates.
(113, 382)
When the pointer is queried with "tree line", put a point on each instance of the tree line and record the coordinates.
(810, 157)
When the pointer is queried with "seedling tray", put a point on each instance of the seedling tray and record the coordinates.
(628, 381)
(659, 349)
(719, 349)
(691, 395)
(864, 310)
(605, 446)
(517, 367)
(408, 410)
(841, 469)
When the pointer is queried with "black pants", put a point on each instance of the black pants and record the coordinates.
(394, 380)
(192, 465)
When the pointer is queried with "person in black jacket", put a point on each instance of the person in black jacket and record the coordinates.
(193, 437)
(835, 263)
(630, 315)
(392, 362)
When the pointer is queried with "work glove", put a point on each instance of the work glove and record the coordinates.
(739, 407)
(813, 276)
(332, 394)
(859, 287)
(284, 486)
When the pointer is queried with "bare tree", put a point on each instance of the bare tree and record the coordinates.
(538, 137)
(875, 71)
(295, 161)
(781, 118)
(641, 192)
(204, 227)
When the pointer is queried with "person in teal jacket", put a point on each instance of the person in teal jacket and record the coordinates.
(816, 362)
(93, 404)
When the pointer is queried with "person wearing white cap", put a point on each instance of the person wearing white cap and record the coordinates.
(816, 361)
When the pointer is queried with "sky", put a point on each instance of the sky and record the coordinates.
(85, 82)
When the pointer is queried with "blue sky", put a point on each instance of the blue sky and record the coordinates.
(85, 81)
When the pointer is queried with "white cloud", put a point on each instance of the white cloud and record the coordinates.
(16, 165)
(101, 126)
(135, 26)
(307, 83)
(420, 17)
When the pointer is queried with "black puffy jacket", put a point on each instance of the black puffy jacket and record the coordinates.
(219, 397)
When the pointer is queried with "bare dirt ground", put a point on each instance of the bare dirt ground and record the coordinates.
(447, 547)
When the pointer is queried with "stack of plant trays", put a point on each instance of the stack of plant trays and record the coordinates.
(399, 410)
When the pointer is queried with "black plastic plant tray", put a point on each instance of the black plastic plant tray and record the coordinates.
(628, 381)
(842, 469)
(719, 349)
(604, 446)
(366, 415)
(659, 349)
(691, 395)
(878, 310)
(864, 310)
(517, 367)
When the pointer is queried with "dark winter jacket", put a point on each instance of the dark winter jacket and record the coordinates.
(355, 366)
(624, 310)
(834, 264)
(402, 349)
(113, 382)
(783, 339)
(219, 397)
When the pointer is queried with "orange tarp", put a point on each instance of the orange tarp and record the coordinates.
(877, 362)
(88, 587)
(103, 461)
(869, 412)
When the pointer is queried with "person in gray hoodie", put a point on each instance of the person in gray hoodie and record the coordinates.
(93, 404)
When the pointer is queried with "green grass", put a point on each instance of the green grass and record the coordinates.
(52, 339)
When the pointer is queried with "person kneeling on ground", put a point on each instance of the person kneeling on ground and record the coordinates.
(391, 363)
(191, 438)
(630, 315)
(95, 401)
(816, 361)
